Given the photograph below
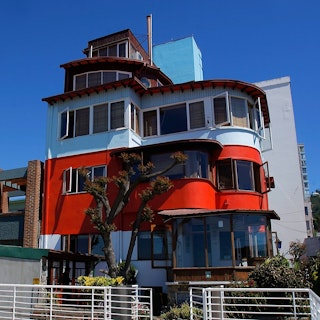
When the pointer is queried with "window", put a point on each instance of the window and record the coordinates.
(196, 166)
(73, 181)
(92, 79)
(114, 50)
(74, 123)
(82, 122)
(237, 111)
(169, 116)
(197, 115)
(83, 243)
(208, 241)
(134, 119)
(117, 115)
(100, 118)
(221, 110)
(150, 123)
(79, 122)
(238, 174)
(153, 245)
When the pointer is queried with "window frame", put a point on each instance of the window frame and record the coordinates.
(227, 110)
(71, 178)
(118, 76)
(234, 165)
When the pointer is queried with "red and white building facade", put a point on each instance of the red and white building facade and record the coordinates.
(215, 224)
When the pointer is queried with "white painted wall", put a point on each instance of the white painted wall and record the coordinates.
(287, 199)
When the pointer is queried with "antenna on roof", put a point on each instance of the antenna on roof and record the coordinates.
(149, 25)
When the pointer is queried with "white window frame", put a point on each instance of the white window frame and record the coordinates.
(117, 72)
(228, 121)
(231, 110)
(260, 130)
(67, 185)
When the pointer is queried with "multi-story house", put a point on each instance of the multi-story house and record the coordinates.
(215, 223)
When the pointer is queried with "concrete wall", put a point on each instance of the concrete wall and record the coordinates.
(287, 199)
(19, 271)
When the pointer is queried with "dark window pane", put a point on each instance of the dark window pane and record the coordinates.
(113, 51)
(82, 122)
(117, 115)
(244, 174)
(225, 174)
(150, 123)
(220, 110)
(94, 79)
(100, 118)
(109, 76)
(197, 118)
(81, 82)
(144, 245)
(169, 116)
(122, 50)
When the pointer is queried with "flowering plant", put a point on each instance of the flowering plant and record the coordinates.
(100, 281)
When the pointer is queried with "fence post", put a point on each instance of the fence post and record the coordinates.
(204, 303)
(221, 302)
(294, 305)
(190, 303)
(51, 306)
(14, 302)
(151, 304)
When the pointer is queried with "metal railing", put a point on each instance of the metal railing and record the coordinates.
(74, 302)
(253, 303)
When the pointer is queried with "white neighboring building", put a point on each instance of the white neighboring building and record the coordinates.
(287, 199)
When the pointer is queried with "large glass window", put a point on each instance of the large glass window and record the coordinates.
(208, 241)
(238, 174)
(250, 238)
(196, 166)
(169, 117)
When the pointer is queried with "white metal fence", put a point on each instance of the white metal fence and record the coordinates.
(74, 302)
(253, 303)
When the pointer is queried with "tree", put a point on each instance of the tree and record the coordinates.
(103, 214)
(315, 203)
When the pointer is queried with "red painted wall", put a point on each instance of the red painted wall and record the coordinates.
(64, 214)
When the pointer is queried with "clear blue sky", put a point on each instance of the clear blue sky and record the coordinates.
(248, 40)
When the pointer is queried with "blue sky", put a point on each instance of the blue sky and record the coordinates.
(248, 40)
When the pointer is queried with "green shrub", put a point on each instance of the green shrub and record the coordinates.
(276, 273)
(181, 312)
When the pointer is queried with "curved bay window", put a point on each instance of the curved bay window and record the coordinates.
(238, 174)
(220, 240)
(196, 166)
